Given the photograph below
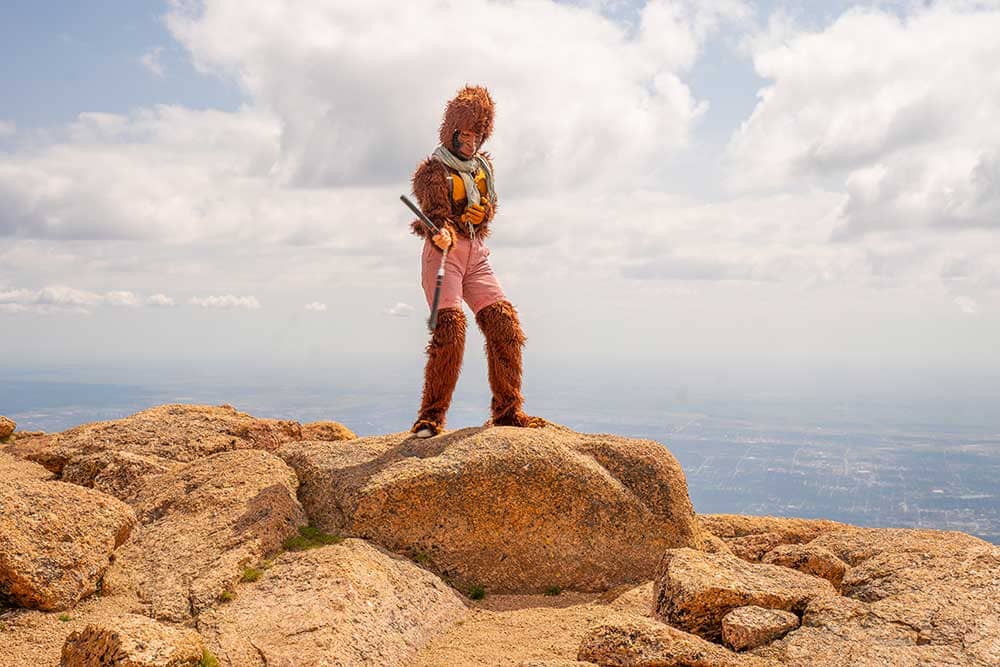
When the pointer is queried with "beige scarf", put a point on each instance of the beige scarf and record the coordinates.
(467, 169)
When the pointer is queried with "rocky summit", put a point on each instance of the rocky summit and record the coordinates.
(201, 535)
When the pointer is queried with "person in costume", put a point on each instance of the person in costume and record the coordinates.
(456, 190)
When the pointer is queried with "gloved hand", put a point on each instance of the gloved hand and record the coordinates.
(474, 214)
(442, 239)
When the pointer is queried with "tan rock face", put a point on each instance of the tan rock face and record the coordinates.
(12, 469)
(750, 627)
(920, 598)
(637, 600)
(347, 603)
(203, 525)
(55, 539)
(132, 641)
(326, 430)
(510, 509)
(118, 474)
(641, 641)
(750, 537)
(695, 590)
(810, 559)
(7, 427)
(181, 433)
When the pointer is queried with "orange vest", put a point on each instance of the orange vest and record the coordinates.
(458, 185)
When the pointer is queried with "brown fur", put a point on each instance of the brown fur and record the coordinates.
(472, 109)
(444, 363)
(504, 340)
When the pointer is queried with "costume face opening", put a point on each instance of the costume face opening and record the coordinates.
(464, 143)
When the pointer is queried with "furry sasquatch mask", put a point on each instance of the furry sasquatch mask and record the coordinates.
(471, 109)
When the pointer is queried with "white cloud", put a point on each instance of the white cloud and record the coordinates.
(160, 300)
(226, 301)
(967, 305)
(356, 112)
(121, 299)
(7, 129)
(400, 310)
(55, 298)
(316, 306)
(151, 60)
(900, 108)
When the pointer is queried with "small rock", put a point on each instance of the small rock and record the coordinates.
(132, 641)
(327, 431)
(695, 590)
(749, 627)
(808, 558)
(7, 427)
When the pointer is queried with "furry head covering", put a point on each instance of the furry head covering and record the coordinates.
(471, 109)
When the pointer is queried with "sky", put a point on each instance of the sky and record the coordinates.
(790, 193)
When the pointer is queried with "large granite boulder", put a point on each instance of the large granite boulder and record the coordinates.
(56, 539)
(132, 641)
(202, 526)
(508, 509)
(343, 604)
(695, 590)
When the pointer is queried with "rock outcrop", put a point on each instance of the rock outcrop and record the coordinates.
(695, 590)
(913, 597)
(750, 627)
(202, 526)
(588, 520)
(505, 508)
(56, 539)
(132, 641)
(347, 604)
(171, 433)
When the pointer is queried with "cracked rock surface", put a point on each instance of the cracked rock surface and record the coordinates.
(343, 604)
(508, 509)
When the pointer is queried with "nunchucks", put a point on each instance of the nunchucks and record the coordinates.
(433, 229)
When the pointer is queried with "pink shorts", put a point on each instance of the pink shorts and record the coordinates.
(467, 275)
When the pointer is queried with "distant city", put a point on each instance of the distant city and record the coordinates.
(885, 465)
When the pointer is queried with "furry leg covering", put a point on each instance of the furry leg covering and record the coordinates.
(504, 340)
(444, 362)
